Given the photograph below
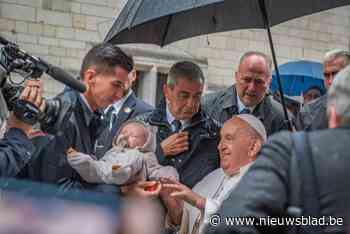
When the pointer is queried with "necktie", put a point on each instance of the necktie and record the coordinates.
(95, 126)
(245, 111)
(176, 125)
(101, 139)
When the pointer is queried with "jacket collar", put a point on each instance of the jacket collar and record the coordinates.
(130, 101)
(120, 103)
(230, 102)
(86, 110)
(259, 109)
(230, 98)
(158, 117)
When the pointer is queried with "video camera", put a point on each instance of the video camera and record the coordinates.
(15, 60)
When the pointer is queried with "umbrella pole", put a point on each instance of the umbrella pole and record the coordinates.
(267, 26)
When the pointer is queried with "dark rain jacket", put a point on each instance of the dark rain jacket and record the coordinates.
(222, 105)
(76, 131)
(313, 116)
(202, 156)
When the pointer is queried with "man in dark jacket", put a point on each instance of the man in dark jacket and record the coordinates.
(104, 71)
(186, 137)
(16, 149)
(265, 191)
(128, 107)
(313, 115)
(248, 95)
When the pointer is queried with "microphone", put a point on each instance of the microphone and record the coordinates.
(61, 75)
(3, 41)
(55, 72)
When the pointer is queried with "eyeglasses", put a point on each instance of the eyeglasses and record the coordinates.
(330, 74)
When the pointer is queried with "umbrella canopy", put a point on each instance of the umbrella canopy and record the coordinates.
(298, 76)
(164, 21)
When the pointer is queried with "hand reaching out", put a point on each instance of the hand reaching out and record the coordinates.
(181, 191)
(143, 189)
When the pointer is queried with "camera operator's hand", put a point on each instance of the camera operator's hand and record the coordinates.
(33, 94)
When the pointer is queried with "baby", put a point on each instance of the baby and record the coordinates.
(131, 159)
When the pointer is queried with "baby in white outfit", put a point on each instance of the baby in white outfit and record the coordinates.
(131, 159)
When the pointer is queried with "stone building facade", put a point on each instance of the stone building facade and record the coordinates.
(61, 31)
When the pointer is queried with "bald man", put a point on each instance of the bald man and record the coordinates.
(248, 95)
(241, 139)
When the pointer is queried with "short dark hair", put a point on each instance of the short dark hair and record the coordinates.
(185, 69)
(105, 57)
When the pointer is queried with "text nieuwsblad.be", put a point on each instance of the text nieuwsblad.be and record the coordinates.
(215, 220)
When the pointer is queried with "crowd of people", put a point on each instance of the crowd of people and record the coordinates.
(225, 154)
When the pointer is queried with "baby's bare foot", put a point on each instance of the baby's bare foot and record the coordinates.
(115, 167)
(70, 152)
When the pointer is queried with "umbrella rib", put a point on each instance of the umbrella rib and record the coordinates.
(265, 16)
(166, 31)
(134, 17)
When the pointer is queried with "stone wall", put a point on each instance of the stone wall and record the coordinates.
(61, 31)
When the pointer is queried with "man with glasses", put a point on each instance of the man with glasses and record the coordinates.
(248, 95)
(314, 115)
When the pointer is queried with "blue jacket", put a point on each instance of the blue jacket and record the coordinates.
(15, 152)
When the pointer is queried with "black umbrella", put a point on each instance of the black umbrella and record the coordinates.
(164, 21)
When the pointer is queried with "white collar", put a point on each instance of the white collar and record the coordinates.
(241, 171)
(86, 102)
(241, 106)
(170, 118)
(118, 104)
(245, 168)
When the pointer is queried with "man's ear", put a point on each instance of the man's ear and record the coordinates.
(89, 78)
(132, 76)
(166, 91)
(89, 75)
(236, 76)
(254, 149)
(269, 80)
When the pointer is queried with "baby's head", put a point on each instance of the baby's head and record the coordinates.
(132, 135)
